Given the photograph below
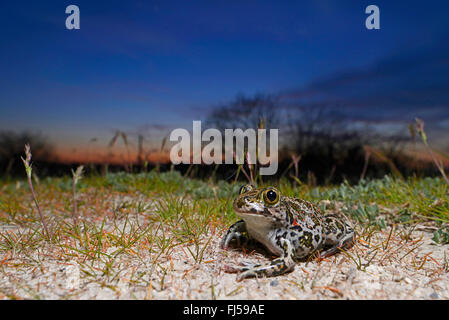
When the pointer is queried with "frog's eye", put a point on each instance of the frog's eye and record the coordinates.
(271, 196)
(245, 188)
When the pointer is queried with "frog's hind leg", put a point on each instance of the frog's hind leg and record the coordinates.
(345, 243)
(338, 236)
(276, 267)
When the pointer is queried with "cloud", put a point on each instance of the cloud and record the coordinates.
(399, 87)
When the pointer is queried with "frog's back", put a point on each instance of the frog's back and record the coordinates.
(302, 215)
(314, 231)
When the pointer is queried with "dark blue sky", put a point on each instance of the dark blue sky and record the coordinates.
(139, 63)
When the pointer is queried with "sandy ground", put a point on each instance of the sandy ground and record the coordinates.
(384, 266)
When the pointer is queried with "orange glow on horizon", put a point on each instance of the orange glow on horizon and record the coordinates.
(120, 156)
(106, 155)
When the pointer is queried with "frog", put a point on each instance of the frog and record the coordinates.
(290, 228)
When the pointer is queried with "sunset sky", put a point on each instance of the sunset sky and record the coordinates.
(150, 66)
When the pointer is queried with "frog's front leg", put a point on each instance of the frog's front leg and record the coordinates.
(236, 231)
(276, 267)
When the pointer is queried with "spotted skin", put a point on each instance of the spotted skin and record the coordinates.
(291, 228)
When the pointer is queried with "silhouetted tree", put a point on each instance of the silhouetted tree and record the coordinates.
(246, 112)
(331, 145)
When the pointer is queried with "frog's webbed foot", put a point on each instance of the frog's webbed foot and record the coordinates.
(235, 232)
(276, 267)
(244, 266)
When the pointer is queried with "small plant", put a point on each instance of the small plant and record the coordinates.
(28, 168)
(76, 177)
(241, 168)
(441, 236)
(295, 160)
(422, 133)
(379, 156)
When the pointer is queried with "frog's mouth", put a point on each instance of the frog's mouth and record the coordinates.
(251, 209)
